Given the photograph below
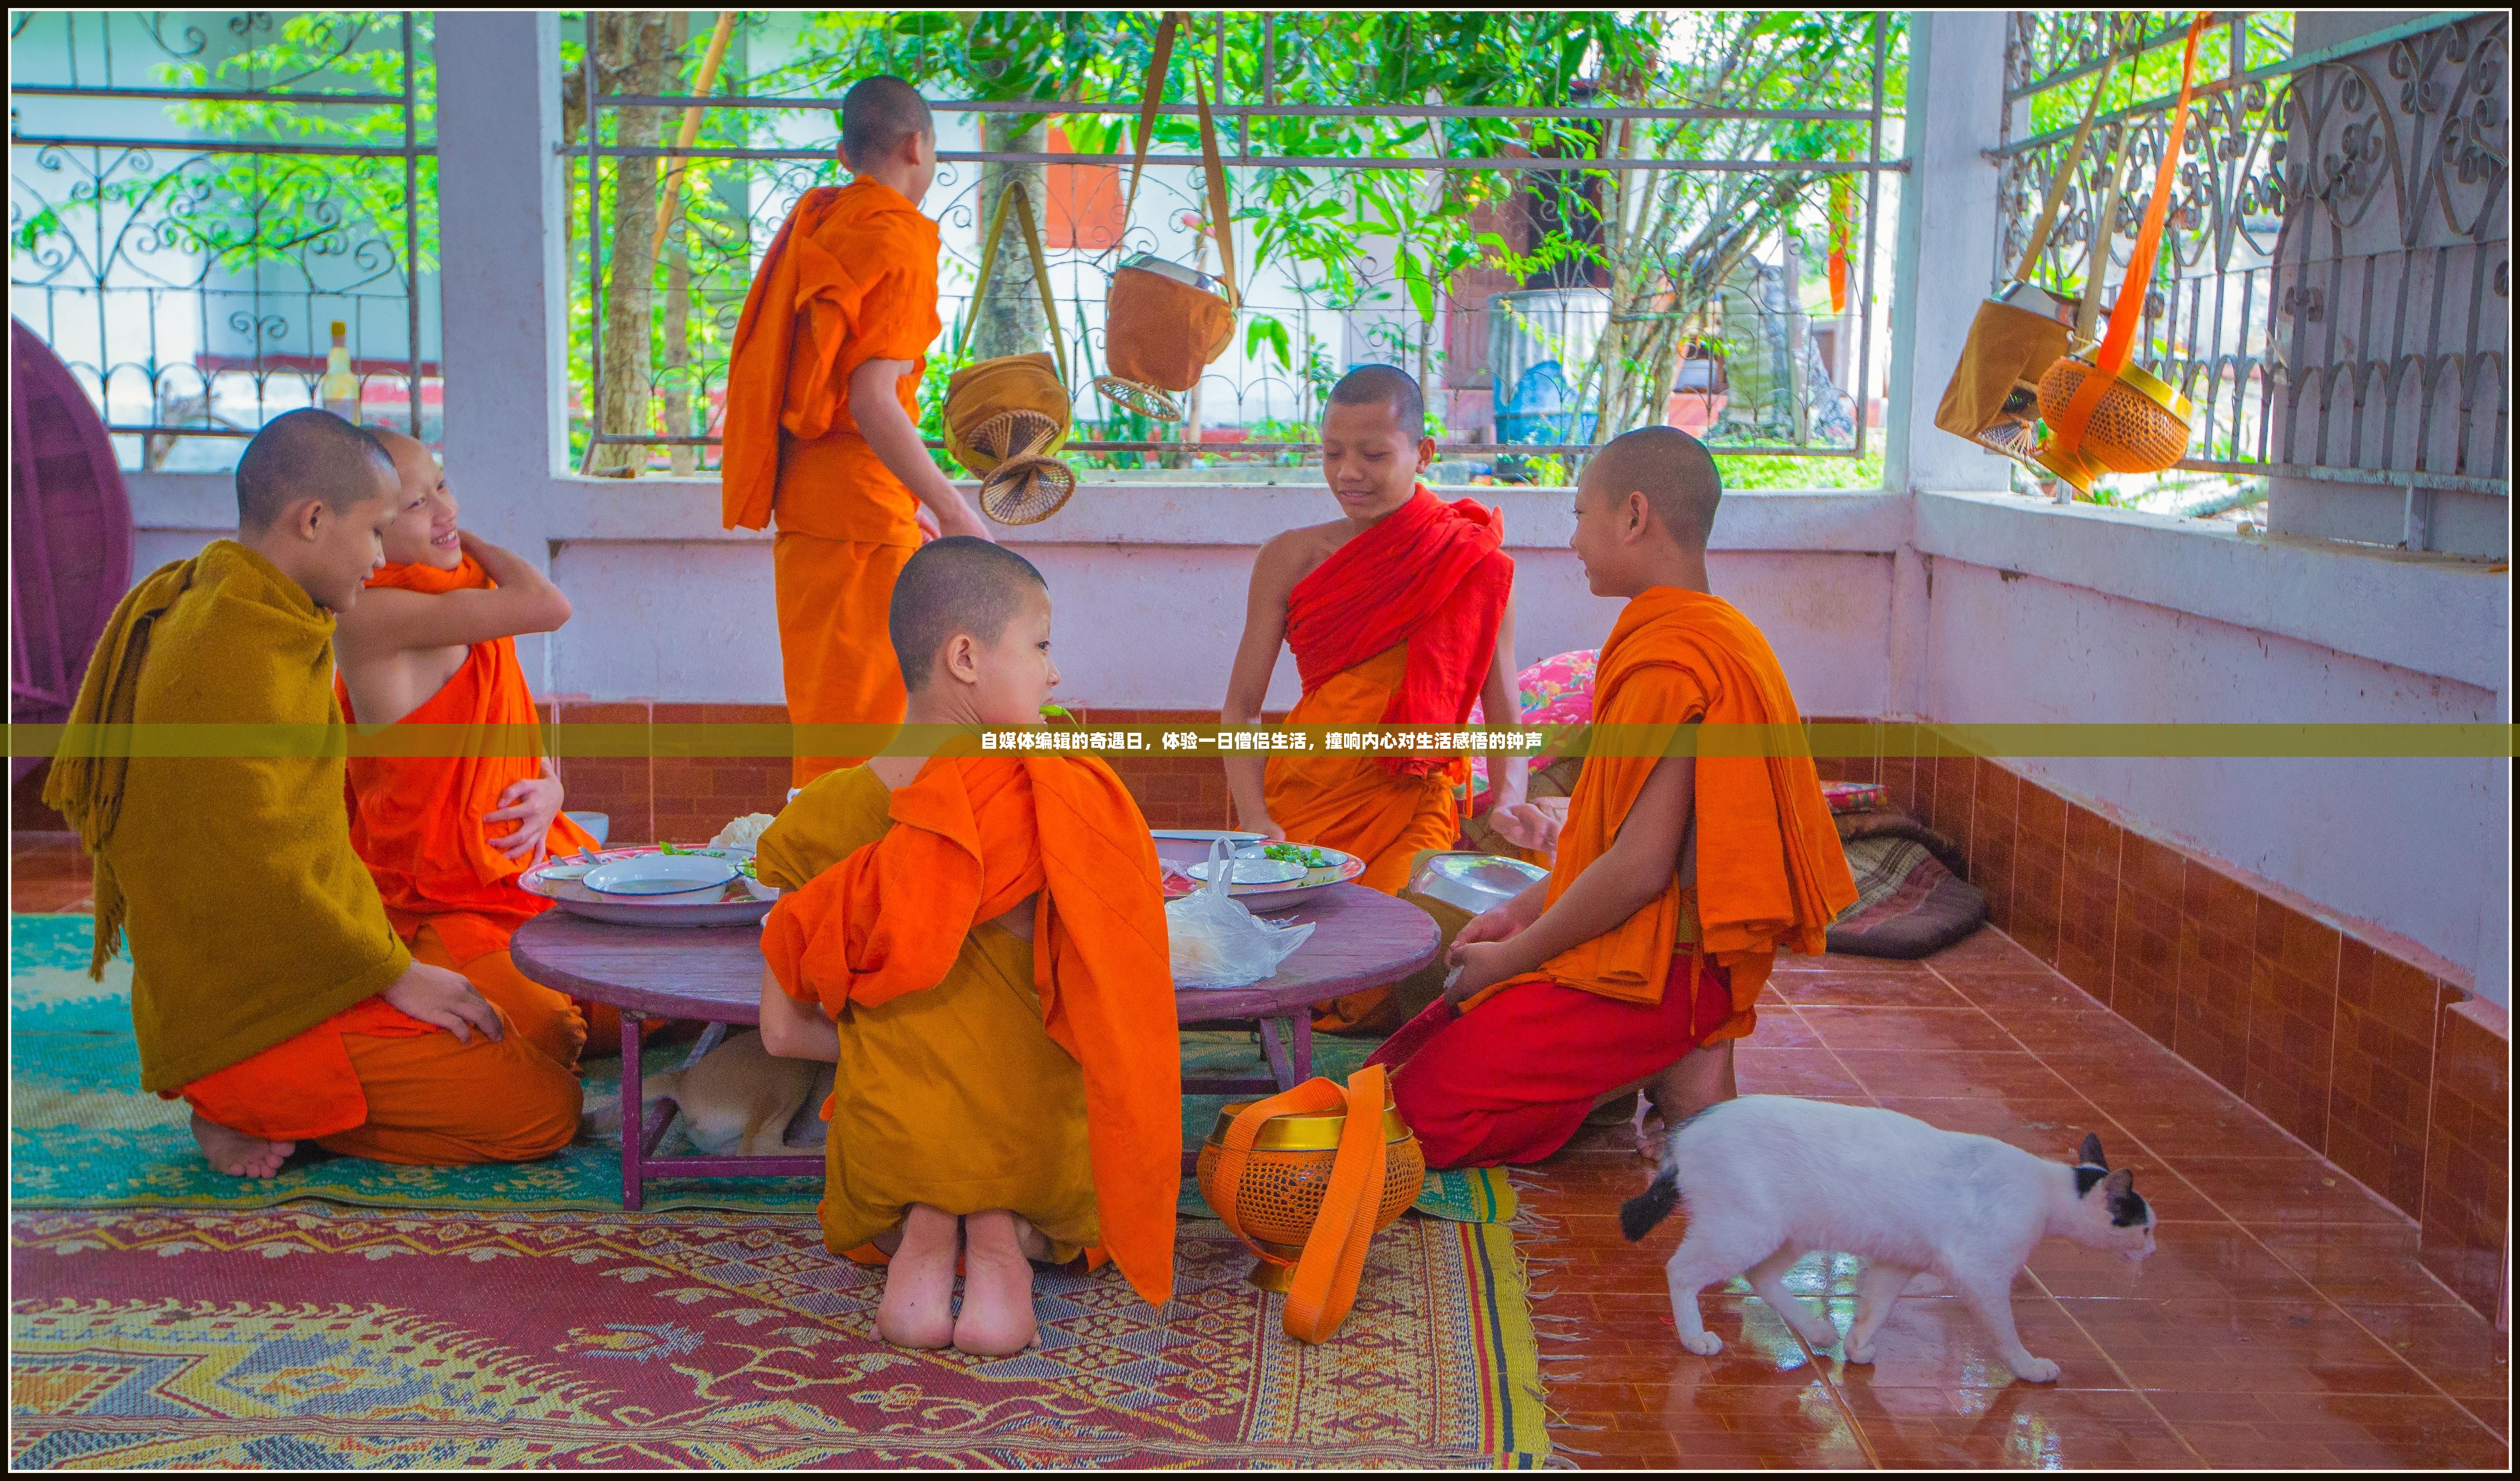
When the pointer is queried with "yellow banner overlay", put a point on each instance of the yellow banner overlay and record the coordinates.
(1828, 740)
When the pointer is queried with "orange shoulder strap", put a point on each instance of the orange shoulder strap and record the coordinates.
(2119, 346)
(1332, 1263)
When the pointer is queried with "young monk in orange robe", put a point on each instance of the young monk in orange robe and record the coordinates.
(1400, 613)
(822, 416)
(269, 987)
(432, 642)
(978, 943)
(1637, 963)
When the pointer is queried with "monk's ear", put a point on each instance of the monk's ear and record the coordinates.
(1636, 515)
(1425, 454)
(959, 657)
(842, 152)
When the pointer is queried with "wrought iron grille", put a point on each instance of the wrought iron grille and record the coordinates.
(194, 198)
(2334, 287)
(1757, 367)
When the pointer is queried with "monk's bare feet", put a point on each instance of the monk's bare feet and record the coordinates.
(996, 1320)
(237, 1154)
(917, 1306)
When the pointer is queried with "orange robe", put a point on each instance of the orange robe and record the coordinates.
(978, 1070)
(1771, 872)
(850, 278)
(1398, 627)
(1511, 1076)
(415, 821)
(259, 947)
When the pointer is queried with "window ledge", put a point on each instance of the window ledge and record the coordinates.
(2434, 615)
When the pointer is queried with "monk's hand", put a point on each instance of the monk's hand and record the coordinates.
(1498, 924)
(1478, 966)
(530, 804)
(960, 519)
(927, 525)
(435, 995)
(1533, 826)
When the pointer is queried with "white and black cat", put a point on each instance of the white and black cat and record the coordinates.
(1768, 1178)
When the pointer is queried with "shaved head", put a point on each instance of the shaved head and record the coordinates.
(958, 585)
(1673, 471)
(1386, 386)
(877, 115)
(306, 454)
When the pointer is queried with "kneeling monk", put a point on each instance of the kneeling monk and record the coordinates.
(978, 941)
(1399, 613)
(1639, 960)
(432, 642)
(268, 986)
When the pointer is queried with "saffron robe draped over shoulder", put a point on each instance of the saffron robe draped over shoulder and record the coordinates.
(851, 277)
(1771, 873)
(416, 820)
(250, 919)
(943, 1097)
(1398, 627)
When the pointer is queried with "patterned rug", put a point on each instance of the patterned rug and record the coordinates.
(311, 1335)
(81, 1133)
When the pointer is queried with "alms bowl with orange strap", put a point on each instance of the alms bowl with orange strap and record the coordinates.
(2140, 425)
(1287, 1173)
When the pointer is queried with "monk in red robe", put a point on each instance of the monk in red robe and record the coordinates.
(978, 943)
(269, 987)
(1638, 960)
(432, 642)
(822, 414)
(1400, 614)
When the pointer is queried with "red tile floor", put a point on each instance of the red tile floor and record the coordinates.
(2283, 1323)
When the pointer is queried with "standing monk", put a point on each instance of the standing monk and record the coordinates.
(432, 642)
(822, 416)
(1637, 963)
(268, 986)
(1400, 613)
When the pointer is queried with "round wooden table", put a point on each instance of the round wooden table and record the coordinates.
(1362, 938)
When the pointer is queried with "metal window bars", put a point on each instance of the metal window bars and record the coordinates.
(2334, 289)
(219, 189)
(1325, 314)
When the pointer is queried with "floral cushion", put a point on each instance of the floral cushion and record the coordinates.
(1555, 690)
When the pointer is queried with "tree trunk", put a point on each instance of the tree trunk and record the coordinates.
(1011, 322)
(635, 55)
(683, 459)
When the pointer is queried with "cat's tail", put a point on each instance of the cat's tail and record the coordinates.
(1639, 1214)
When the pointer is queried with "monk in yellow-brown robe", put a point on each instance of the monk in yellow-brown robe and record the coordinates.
(978, 944)
(979, 1071)
(821, 415)
(1677, 880)
(269, 987)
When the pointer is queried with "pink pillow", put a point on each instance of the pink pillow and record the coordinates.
(1555, 690)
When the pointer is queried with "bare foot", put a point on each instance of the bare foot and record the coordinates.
(917, 1306)
(237, 1154)
(996, 1320)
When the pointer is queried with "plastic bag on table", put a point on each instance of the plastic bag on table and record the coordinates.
(1218, 943)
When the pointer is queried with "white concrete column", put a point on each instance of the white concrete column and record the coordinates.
(1947, 226)
(501, 268)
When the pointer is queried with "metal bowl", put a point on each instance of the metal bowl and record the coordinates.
(1472, 881)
